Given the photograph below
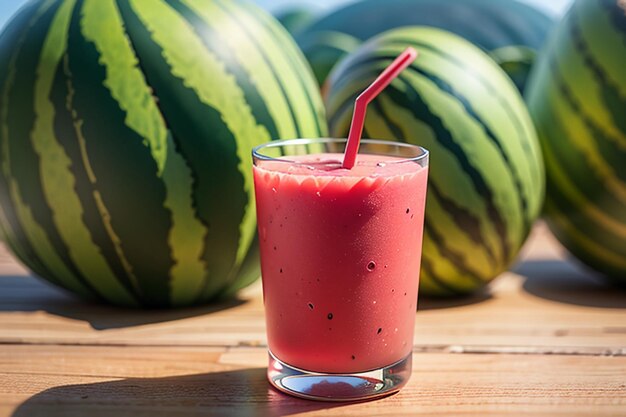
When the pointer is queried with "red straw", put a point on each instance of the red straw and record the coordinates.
(360, 105)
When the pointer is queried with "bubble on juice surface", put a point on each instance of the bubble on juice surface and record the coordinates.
(330, 316)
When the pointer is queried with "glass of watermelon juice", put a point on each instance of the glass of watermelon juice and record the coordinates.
(340, 260)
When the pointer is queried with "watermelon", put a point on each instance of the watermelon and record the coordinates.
(486, 181)
(125, 137)
(577, 99)
(295, 18)
(511, 31)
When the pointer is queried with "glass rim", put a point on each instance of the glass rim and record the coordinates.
(256, 151)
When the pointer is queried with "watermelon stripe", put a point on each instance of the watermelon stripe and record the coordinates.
(68, 126)
(573, 161)
(199, 101)
(56, 177)
(494, 90)
(106, 142)
(590, 94)
(242, 122)
(601, 251)
(396, 131)
(463, 218)
(602, 152)
(306, 84)
(421, 111)
(456, 259)
(28, 166)
(610, 92)
(492, 86)
(568, 200)
(606, 44)
(428, 274)
(309, 86)
(283, 86)
(442, 271)
(256, 82)
(447, 88)
(16, 236)
(186, 237)
(607, 148)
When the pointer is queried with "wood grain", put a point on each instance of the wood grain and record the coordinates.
(547, 339)
(67, 381)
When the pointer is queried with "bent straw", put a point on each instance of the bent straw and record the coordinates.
(360, 105)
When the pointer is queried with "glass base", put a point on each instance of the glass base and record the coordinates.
(338, 387)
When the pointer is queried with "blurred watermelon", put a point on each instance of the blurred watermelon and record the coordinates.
(296, 18)
(510, 31)
(577, 98)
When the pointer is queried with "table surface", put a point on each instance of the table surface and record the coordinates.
(547, 339)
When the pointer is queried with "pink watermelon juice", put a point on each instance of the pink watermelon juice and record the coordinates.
(340, 258)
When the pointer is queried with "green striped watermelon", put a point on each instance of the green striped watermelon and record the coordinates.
(125, 135)
(509, 30)
(486, 181)
(577, 98)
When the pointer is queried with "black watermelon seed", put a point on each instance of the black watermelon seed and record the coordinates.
(311, 306)
(330, 316)
(380, 329)
(407, 211)
(281, 271)
(353, 357)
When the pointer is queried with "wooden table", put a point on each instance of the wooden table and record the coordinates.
(547, 339)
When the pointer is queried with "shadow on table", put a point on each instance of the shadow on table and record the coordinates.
(21, 293)
(566, 282)
(244, 392)
(439, 303)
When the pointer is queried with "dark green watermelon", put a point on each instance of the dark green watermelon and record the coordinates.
(510, 30)
(486, 181)
(296, 18)
(125, 136)
(577, 98)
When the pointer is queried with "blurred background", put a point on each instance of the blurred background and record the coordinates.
(553, 7)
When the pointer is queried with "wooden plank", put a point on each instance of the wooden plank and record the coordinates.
(547, 305)
(68, 381)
